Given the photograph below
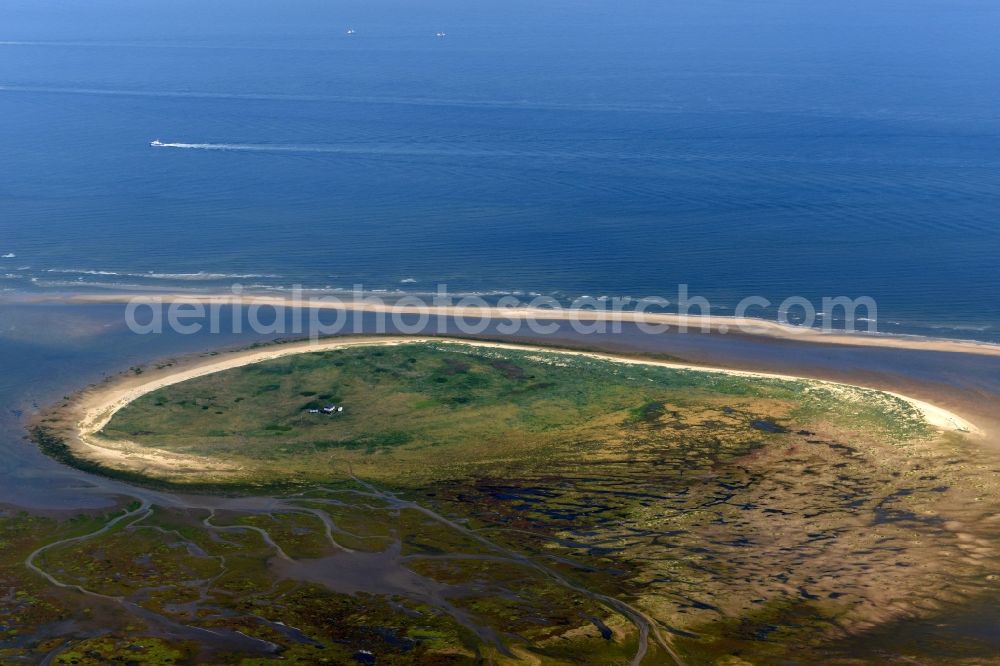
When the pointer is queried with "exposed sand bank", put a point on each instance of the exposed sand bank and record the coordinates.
(92, 409)
(716, 324)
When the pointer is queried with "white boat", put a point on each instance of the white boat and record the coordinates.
(156, 143)
(441, 34)
(350, 31)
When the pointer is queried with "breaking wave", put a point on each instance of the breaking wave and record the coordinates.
(201, 275)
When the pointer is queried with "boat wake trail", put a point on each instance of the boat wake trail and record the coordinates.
(241, 147)
(389, 149)
(370, 150)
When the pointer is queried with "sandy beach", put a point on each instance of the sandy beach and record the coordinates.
(92, 409)
(715, 324)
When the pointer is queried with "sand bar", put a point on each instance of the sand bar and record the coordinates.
(714, 323)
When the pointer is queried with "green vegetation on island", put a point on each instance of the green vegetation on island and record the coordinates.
(479, 504)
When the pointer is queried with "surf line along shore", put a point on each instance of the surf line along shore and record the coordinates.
(711, 323)
(91, 410)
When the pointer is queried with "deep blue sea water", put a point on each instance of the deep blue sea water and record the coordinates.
(773, 147)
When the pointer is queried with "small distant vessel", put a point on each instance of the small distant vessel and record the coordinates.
(350, 31)
(156, 143)
(440, 34)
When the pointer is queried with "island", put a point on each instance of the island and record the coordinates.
(438, 501)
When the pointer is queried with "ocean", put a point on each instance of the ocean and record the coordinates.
(774, 148)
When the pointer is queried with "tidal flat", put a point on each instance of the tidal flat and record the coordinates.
(476, 503)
